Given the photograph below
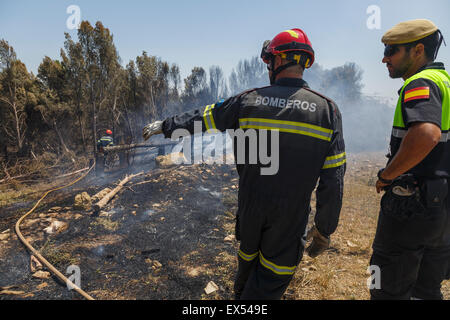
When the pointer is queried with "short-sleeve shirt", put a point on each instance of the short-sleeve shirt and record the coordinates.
(421, 101)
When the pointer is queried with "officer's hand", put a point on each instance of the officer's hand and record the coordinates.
(380, 186)
(319, 242)
(152, 129)
(382, 183)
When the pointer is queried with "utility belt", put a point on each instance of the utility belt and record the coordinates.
(408, 196)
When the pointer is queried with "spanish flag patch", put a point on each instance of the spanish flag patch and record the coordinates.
(417, 94)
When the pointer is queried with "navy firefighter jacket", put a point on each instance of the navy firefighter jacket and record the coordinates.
(301, 127)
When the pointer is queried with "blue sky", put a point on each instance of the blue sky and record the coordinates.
(204, 33)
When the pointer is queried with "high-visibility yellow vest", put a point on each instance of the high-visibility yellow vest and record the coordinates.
(442, 79)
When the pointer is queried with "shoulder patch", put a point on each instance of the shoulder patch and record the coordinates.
(417, 94)
(220, 102)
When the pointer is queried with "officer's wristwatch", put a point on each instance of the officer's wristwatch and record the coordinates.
(385, 181)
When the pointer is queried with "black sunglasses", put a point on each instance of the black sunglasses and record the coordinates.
(390, 50)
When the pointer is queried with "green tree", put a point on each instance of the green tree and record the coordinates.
(97, 62)
(196, 91)
(15, 83)
(343, 83)
(73, 64)
(153, 84)
(52, 99)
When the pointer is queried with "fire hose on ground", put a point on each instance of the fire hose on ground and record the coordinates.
(97, 207)
(37, 254)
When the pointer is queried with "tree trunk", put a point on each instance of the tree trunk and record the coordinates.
(80, 122)
(60, 137)
(82, 133)
(17, 120)
(94, 128)
(5, 153)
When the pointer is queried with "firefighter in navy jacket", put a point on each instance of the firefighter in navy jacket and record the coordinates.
(273, 209)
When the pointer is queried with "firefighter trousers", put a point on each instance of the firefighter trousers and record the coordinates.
(272, 244)
(413, 255)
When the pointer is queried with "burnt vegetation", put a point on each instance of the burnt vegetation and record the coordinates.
(58, 114)
(170, 232)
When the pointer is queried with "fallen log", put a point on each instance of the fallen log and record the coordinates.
(127, 147)
(104, 201)
(137, 145)
(39, 172)
(71, 173)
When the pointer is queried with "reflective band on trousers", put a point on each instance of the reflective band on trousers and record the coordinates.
(247, 257)
(208, 117)
(334, 161)
(281, 270)
(400, 133)
(287, 126)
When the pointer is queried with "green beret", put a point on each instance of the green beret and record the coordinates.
(409, 31)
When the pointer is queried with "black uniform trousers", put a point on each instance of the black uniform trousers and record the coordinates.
(413, 255)
(272, 244)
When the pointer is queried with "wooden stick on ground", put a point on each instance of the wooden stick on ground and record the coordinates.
(30, 174)
(12, 178)
(104, 201)
(71, 173)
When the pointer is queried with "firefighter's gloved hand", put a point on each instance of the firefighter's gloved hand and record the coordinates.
(319, 242)
(152, 129)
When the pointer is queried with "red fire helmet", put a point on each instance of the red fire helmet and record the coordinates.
(293, 40)
(109, 132)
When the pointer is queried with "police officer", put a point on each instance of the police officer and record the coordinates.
(412, 241)
(273, 209)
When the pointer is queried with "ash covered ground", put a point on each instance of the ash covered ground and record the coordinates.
(170, 232)
(161, 237)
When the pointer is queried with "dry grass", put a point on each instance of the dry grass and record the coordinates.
(106, 223)
(56, 256)
(15, 193)
(34, 176)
